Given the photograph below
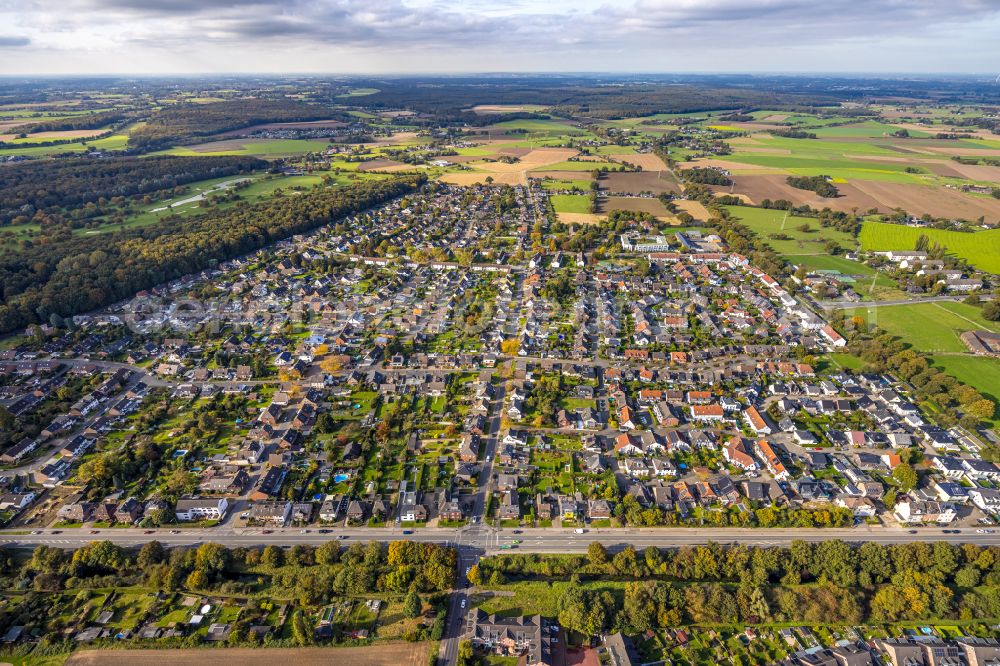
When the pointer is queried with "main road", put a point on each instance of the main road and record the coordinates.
(488, 541)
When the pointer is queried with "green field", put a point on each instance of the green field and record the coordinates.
(766, 222)
(981, 249)
(113, 142)
(576, 166)
(570, 203)
(360, 92)
(929, 327)
(257, 147)
(534, 127)
(553, 184)
(982, 374)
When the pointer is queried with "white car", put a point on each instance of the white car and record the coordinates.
(463, 603)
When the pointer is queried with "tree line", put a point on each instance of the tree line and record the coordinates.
(37, 190)
(74, 274)
(830, 582)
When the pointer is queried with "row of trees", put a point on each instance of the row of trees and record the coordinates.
(310, 575)
(827, 582)
(80, 273)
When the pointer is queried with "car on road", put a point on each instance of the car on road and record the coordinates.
(95, 531)
(148, 531)
(245, 515)
(304, 532)
(341, 537)
(323, 531)
(175, 531)
(267, 532)
(463, 603)
(516, 532)
(580, 530)
(57, 531)
(913, 531)
(407, 531)
(36, 531)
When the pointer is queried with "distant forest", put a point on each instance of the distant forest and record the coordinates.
(188, 122)
(79, 273)
(30, 190)
(628, 100)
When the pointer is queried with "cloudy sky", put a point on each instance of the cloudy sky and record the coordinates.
(430, 36)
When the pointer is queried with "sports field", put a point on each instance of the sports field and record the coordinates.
(929, 327)
(981, 249)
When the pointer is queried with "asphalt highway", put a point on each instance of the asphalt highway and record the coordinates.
(490, 541)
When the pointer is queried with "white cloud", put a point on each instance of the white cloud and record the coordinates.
(485, 35)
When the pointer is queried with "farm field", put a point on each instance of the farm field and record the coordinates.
(552, 183)
(929, 327)
(535, 127)
(872, 168)
(981, 249)
(635, 204)
(393, 654)
(635, 182)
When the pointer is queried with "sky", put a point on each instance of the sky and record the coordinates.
(475, 36)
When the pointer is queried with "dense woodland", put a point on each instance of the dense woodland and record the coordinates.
(830, 582)
(448, 98)
(35, 191)
(77, 273)
(188, 122)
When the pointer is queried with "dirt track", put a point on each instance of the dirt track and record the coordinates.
(394, 654)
